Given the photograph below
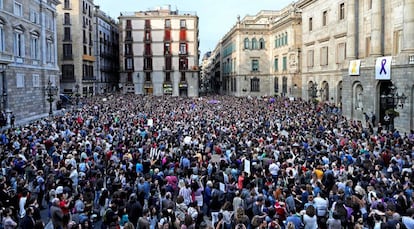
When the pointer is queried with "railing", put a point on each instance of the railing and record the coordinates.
(411, 59)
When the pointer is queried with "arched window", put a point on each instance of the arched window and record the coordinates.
(246, 43)
(261, 43)
(254, 43)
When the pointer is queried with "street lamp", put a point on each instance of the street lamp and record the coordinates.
(393, 99)
(51, 91)
(313, 90)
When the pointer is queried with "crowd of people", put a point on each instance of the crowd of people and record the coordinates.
(220, 162)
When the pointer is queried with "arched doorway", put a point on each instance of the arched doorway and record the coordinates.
(324, 91)
(386, 103)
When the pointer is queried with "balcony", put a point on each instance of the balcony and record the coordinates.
(88, 58)
(147, 54)
(6, 58)
(168, 69)
(148, 69)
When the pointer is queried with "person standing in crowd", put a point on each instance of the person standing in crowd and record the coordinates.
(211, 154)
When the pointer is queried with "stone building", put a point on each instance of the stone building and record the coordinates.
(260, 55)
(28, 58)
(379, 78)
(324, 43)
(106, 52)
(76, 39)
(159, 52)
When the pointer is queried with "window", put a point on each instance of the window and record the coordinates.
(367, 46)
(167, 49)
(18, 9)
(276, 85)
(1, 4)
(19, 80)
(183, 48)
(254, 43)
(128, 49)
(129, 64)
(66, 19)
(341, 53)
(68, 72)
(66, 4)
(397, 42)
(182, 23)
(128, 24)
(324, 56)
(324, 18)
(148, 77)
(167, 23)
(276, 64)
(147, 23)
(36, 80)
(34, 46)
(310, 24)
(2, 43)
(34, 16)
(67, 51)
(286, 38)
(66, 34)
(284, 85)
(49, 51)
(284, 60)
(255, 85)
(276, 42)
(342, 11)
(168, 77)
(310, 58)
(255, 65)
(261, 43)
(246, 43)
(369, 2)
(18, 43)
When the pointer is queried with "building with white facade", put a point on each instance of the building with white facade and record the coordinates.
(76, 51)
(159, 52)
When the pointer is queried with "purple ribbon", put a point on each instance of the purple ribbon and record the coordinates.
(383, 62)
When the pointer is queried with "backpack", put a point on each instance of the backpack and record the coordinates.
(107, 215)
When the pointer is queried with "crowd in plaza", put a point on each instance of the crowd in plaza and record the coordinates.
(220, 162)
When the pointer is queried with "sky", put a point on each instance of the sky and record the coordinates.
(216, 17)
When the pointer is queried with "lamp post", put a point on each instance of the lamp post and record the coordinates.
(313, 90)
(391, 100)
(51, 91)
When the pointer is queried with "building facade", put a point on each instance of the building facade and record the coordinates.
(76, 30)
(260, 56)
(159, 52)
(106, 53)
(324, 43)
(28, 57)
(379, 78)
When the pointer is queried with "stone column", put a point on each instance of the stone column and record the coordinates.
(376, 28)
(350, 40)
(408, 26)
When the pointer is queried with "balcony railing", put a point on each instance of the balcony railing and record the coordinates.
(6, 58)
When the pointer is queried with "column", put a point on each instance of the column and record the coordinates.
(350, 41)
(408, 26)
(376, 28)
